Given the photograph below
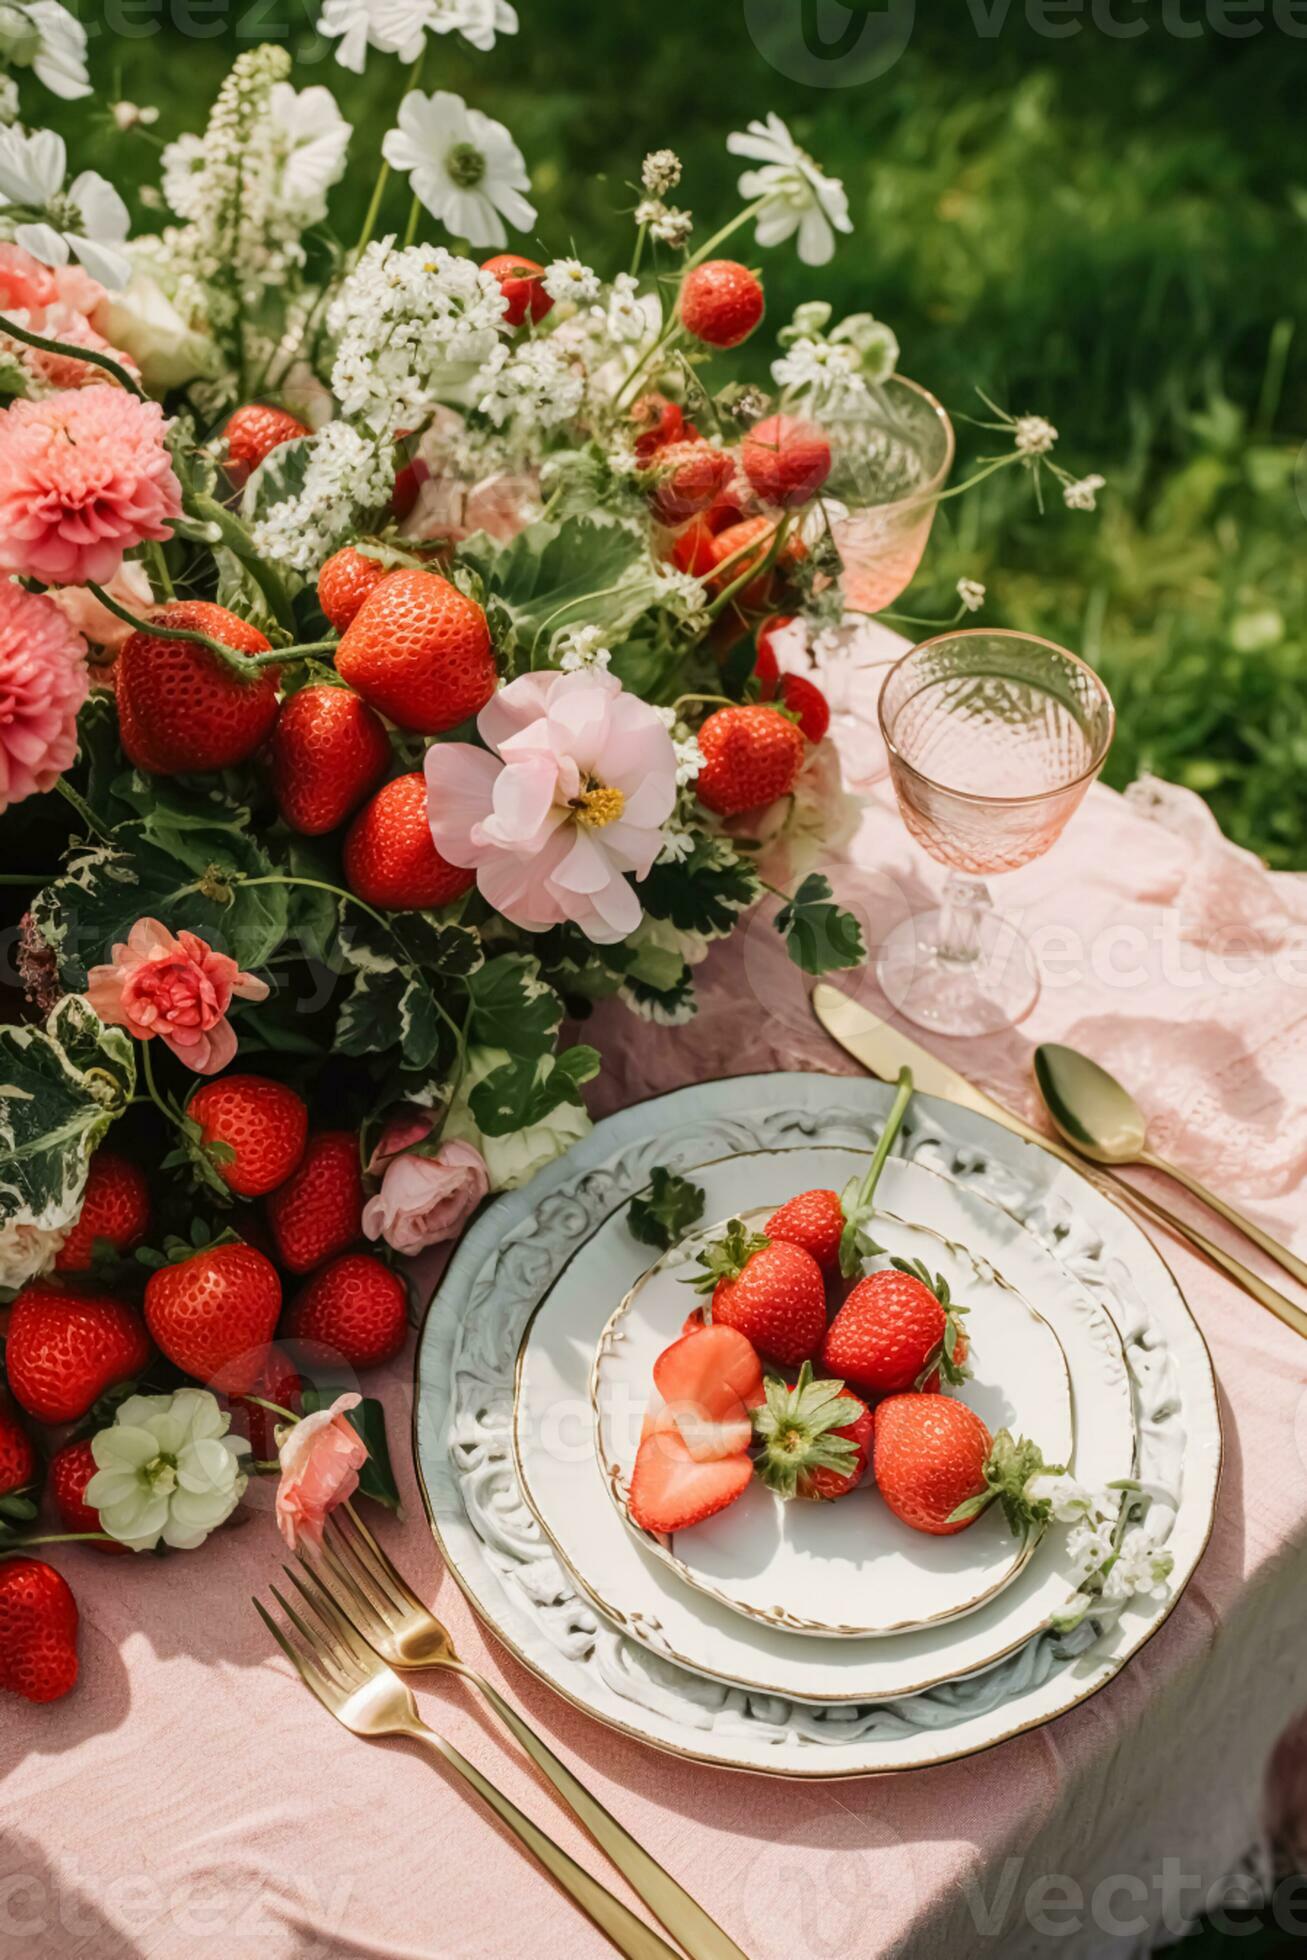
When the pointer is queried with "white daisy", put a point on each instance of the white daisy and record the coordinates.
(51, 222)
(569, 279)
(798, 195)
(464, 168)
(400, 27)
(42, 35)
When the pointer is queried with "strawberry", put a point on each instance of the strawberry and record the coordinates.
(786, 460)
(66, 1345)
(17, 1457)
(71, 1470)
(670, 1491)
(692, 548)
(686, 478)
(409, 478)
(345, 581)
(253, 432)
(318, 1211)
(709, 1380)
(752, 755)
(357, 1307)
(814, 1220)
(767, 667)
(329, 750)
(390, 859)
(277, 1381)
(214, 1313)
(419, 652)
(519, 281)
(938, 1467)
(115, 1210)
(656, 422)
(769, 1291)
(727, 566)
(804, 699)
(183, 708)
(893, 1331)
(38, 1630)
(262, 1124)
(721, 302)
(815, 1438)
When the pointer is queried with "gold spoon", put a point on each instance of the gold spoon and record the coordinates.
(1103, 1122)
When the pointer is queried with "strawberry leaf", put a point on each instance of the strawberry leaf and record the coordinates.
(819, 937)
(666, 1211)
(512, 1007)
(527, 1088)
(703, 892)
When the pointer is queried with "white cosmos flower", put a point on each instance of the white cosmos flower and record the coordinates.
(167, 1472)
(42, 35)
(314, 136)
(465, 168)
(88, 218)
(400, 26)
(799, 196)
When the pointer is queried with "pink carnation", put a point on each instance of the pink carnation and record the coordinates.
(43, 682)
(84, 477)
(320, 1463)
(178, 989)
(570, 800)
(24, 281)
(422, 1200)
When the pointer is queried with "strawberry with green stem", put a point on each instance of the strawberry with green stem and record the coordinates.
(938, 1468)
(815, 1437)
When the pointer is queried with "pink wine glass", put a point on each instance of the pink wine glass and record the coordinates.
(993, 739)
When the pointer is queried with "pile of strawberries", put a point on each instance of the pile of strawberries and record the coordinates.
(212, 1315)
(886, 1357)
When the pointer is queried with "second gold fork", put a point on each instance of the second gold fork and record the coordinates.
(385, 1610)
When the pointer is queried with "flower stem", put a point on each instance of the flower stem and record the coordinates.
(273, 1408)
(84, 811)
(152, 1087)
(91, 354)
(240, 663)
(886, 1143)
(414, 218)
(752, 570)
(383, 175)
(720, 237)
(60, 1537)
(162, 575)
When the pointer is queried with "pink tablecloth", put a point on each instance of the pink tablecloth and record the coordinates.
(190, 1798)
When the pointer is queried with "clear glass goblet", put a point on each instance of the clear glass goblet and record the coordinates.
(891, 454)
(993, 739)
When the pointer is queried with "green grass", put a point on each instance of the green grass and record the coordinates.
(1097, 230)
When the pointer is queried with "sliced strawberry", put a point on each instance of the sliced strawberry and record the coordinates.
(670, 1490)
(709, 1381)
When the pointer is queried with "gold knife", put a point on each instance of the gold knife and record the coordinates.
(885, 1050)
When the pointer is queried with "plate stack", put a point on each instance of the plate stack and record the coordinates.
(815, 1640)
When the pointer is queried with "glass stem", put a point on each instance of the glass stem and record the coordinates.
(961, 916)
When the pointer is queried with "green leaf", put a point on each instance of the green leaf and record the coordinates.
(704, 892)
(512, 1007)
(665, 1212)
(392, 1003)
(819, 937)
(525, 1090)
(376, 1477)
(570, 574)
(61, 1087)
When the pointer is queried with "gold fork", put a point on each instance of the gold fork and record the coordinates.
(371, 1593)
(357, 1687)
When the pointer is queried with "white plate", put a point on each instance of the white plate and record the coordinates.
(849, 1570)
(565, 1487)
(511, 1574)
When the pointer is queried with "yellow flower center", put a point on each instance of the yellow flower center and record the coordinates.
(598, 806)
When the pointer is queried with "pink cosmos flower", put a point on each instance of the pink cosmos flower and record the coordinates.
(178, 989)
(320, 1463)
(84, 476)
(130, 586)
(43, 682)
(422, 1200)
(570, 800)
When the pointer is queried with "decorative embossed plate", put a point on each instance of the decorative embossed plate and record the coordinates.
(849, 1570)
(511, 1573)
(643, 1593)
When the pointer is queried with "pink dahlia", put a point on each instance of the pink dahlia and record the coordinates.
(43, 682)
(84, 476)
(176, 988)
(570, 800)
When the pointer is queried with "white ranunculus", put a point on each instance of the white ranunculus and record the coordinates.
(143, 321)
(27, 1250)
(797, 195)
(167, 1472)
(511, 1160)
(465, 168)
(92, 219)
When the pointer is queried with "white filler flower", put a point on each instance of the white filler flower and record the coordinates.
(797, 195)
(167, 1472)
(89, 218)
(465, 168)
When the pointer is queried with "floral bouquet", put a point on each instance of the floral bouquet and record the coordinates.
(425, 642)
